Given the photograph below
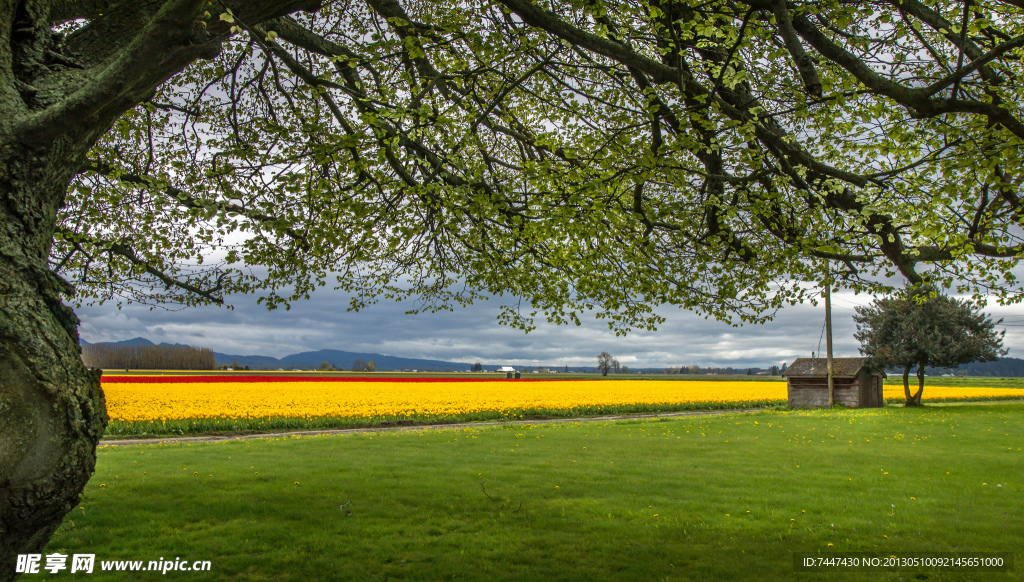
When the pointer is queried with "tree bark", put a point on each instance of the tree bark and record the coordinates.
(52, 410)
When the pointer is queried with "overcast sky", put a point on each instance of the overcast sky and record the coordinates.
(474, 335)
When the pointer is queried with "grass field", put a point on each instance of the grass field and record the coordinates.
(697, 498)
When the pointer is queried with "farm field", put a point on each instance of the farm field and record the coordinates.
(192, 404)
(894, 380)
(728, 497)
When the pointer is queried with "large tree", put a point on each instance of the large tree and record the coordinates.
(922, 328)
(596, 155)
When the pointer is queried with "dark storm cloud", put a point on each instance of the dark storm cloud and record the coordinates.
(473, 334)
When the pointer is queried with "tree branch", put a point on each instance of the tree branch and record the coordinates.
(127, 252)
(164, 40)
(801, 59)
(974, 65)
(186, 200)
(915, 99)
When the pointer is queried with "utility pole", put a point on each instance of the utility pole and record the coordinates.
(828, 336)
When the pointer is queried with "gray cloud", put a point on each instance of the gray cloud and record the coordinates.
(473, 334)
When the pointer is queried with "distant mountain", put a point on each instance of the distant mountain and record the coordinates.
(337, 358)
(254, 362)
(345, 360)
(340, 359)
(135, 341)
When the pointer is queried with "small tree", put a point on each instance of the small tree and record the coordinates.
(604, 362)
(615, 365)
(325, 366)
(370, 366)
(477, 367)
(923, 328)
(358, 366)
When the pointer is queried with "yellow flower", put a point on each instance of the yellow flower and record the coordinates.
(169, 401)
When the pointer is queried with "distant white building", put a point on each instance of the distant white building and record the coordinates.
(506, 369)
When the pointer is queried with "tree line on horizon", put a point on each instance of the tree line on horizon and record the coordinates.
(108, 356)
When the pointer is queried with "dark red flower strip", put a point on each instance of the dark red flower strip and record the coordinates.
(122, 379)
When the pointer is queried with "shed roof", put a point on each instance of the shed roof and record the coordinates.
(846, 367)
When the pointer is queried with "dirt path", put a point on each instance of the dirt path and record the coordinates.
(265, 435)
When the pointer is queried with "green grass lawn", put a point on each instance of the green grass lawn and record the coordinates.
(698, 498)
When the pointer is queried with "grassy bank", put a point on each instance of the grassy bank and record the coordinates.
(701, 498)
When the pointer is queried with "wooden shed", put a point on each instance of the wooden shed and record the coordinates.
(857, 384)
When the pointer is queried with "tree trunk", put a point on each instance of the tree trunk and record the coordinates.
(920, 385)
(52, 410)
(906, 385)
(913, 399)
(58, 95)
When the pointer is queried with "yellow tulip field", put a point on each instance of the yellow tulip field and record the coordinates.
(202, 403)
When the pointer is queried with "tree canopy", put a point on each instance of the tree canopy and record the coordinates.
(595, 155)
(922, 328)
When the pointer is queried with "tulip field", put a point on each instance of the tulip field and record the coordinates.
(198, 404)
